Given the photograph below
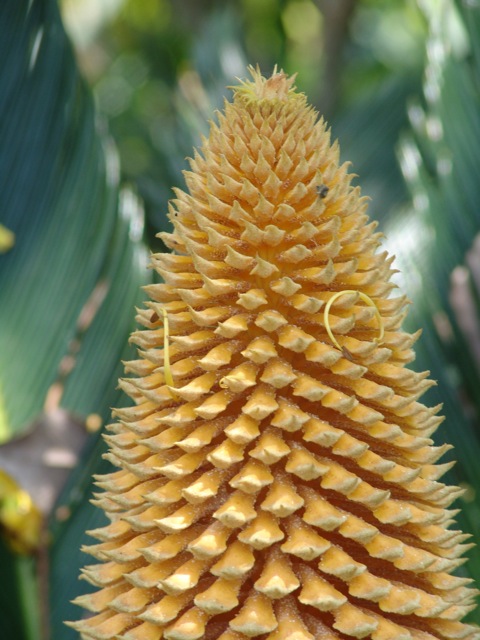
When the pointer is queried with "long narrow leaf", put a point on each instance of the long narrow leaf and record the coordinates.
(75, 232)
(440, 162)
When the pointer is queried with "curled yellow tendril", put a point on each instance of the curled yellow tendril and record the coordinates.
(166, 354)
(367, 300)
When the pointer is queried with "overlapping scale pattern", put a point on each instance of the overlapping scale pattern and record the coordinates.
(284, 488)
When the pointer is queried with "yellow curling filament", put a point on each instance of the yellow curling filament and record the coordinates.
(368, 301)
(166, 355)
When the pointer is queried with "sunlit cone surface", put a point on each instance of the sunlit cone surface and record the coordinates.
(284, 486)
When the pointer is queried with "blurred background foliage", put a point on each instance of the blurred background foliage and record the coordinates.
(97, 139)
(159, 69)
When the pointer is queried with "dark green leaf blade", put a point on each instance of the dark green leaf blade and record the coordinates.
(440, 162)
(57, 193)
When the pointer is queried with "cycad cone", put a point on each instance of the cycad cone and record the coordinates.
(284, 486)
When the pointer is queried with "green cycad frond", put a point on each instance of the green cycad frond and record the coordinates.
(440, 161)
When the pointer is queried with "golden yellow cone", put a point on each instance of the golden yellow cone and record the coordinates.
(276, 475)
